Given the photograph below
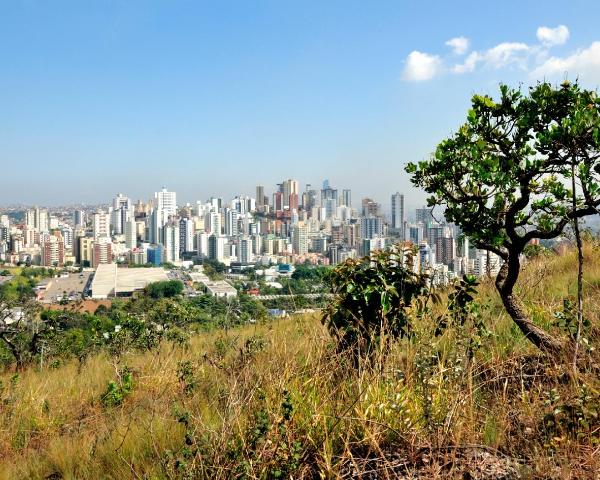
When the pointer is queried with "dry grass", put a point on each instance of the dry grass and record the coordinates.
(421, 410)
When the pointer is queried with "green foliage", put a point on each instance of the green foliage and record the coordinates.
(534, 251)
(502, 177)
(186, 377)
(574, 419)
(213, 269)
(567, 321)
(164, 289)
(372, 298)
(117, 391)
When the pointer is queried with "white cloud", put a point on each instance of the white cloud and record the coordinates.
(459, 45)
(502, 55)
(583, 63)
(468, 65)
(421, 66)
(553, 36)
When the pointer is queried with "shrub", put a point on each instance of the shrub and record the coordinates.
(372, 298)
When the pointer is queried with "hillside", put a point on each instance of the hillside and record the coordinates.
(274, 400)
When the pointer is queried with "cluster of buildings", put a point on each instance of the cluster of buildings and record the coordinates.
(285, 226)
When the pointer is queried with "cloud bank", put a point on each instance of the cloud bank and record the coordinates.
(534, 59)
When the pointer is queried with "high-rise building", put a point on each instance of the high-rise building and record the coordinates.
(37, 218)
(167, 202)
(445, 250)
(186, 235)
(216, 247)
(102, 252)
(260, 198)
(121, 212)
(231, 222)
(85, 253)
(371, 227)
(300, 239)
(424, 215)
(370, 207)
(101, 224)
(288, 188)
(53, 250)
(346, 198)
(165, 208)
(79, 218)
(212, 223)
(130, 233)
(245, 255)
(171, 242)
(202, 244)
(398, 213)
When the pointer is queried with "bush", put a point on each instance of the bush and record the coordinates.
(373, 295)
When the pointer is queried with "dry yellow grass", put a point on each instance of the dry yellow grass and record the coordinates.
(421, 398)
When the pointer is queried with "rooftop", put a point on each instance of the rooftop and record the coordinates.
(125, 281)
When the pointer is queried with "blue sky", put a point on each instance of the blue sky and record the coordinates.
(214, 98)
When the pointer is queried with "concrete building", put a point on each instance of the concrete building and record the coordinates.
(110, 281)
(300, 239)
(101, 224)
(52, 251)
(130, 233)
(371, 227)
(186, 235)
(171, 242)
(216, 247)
(102, 252)
(398, 217)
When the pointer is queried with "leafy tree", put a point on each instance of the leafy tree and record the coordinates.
(21, 329)
(372, 297)
(164, 289)
(213, 268)
(504, 177)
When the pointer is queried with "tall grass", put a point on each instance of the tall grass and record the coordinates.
(277, 401)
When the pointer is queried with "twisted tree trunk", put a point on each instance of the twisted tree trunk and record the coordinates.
(505, 282)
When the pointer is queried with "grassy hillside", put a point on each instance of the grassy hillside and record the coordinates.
(276, 401)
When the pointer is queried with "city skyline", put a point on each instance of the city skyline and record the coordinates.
(212, 99)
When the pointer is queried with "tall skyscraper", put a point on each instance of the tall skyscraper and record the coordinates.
(398, 213)
(122, 211)
(37, 218)
(260, 198)
(165, 208)
(167, 202)
(289, 187)
(346, 198)
(79, 218)
(171, 242)
(186, 235)
(216, 247)
(101, 224)
(300, 239)
(370, 207)
(130, 234)
(371, 227)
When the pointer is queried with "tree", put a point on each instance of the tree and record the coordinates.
(21, 329)
(504, 177)
(164, 289)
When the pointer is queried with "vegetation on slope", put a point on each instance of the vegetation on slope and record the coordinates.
(276, 400)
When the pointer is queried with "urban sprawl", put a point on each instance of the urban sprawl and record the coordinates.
(274, 233)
